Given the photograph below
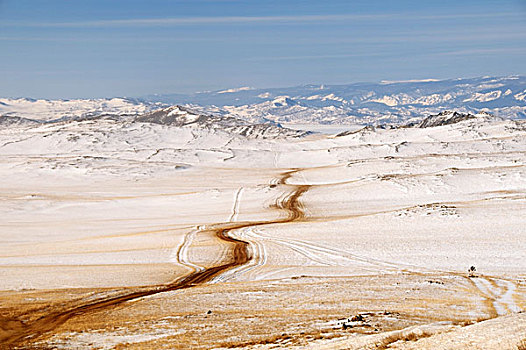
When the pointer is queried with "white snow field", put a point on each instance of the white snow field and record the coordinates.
(387, 223)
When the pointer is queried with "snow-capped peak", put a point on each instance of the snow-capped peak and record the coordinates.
(282, 101)
(450, 117)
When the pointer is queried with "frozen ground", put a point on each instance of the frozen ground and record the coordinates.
(382, 223)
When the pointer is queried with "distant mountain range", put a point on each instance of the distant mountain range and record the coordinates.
(358, 103)
(363, 103)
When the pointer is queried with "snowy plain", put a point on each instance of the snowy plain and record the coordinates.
(103, 204)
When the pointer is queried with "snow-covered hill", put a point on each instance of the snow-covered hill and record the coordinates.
(99, 207)
(47, 110)
(171, 129)
(363, 103)
(359, 103)
(182, 116)
(450, 117)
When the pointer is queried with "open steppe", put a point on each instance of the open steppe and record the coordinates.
(136, 235)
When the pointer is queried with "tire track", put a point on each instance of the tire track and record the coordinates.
(498, 294)
(329, 255)
(259, 258)
(235, 207)
(18, 334)
(181, 255)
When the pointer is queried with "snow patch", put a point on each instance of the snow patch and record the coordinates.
(244, 88)
(484, 97)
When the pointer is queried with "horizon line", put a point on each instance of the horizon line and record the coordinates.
(379, 82)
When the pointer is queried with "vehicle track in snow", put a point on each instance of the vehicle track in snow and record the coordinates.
(246, 251)
(235, 207)
(15, 333)
(498, 293)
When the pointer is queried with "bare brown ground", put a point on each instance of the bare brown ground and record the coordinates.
(15, 332)
(294, 311)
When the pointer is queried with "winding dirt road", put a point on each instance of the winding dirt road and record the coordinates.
(17, 334)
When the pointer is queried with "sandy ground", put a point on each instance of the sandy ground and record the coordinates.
(390, 222)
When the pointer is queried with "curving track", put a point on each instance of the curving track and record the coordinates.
(246, 251)
(17, 334)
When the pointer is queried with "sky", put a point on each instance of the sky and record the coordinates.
(107, 48)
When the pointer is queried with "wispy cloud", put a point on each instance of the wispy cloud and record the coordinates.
(386, 55)
(482, 51)
(112, 39)
(179, 21)
(175, 21)
(313, 57)
(478, 34)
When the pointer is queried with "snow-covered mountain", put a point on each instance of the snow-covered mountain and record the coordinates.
(109, 201)
(173, 117)
(359, 103)
(181, 116)
(47, 110)
(363, 103)
(450, 117)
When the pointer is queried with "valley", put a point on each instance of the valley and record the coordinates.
(174, 229)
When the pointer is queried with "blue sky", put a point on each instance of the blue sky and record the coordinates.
(106, 48)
